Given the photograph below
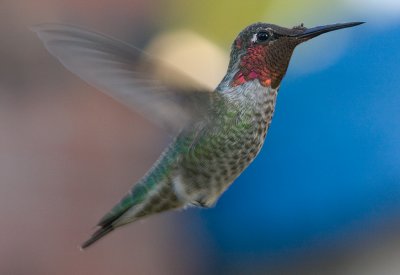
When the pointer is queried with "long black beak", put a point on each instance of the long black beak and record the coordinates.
(313, 32)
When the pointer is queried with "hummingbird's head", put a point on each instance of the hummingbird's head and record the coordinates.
(262, 51)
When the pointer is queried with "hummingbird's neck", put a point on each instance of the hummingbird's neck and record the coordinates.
(252, 65)
(266, 64)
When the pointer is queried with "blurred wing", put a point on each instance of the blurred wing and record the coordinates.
(127, 74)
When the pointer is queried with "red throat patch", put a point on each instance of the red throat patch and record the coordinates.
(253, 66)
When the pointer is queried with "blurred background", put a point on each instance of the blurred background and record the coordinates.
(323, 197)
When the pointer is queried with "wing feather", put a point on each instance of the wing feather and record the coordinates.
(127, 74)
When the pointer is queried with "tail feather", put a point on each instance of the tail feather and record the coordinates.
(108, 222)
(153, 194)
(120, 208)
(100, 233)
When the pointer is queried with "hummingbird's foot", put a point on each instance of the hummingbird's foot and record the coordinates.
(200, 203)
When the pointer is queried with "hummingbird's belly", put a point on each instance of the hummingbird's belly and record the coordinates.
(219, 157)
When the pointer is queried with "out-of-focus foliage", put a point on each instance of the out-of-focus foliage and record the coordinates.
(221, 20)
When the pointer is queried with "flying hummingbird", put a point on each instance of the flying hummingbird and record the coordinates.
(217, 134)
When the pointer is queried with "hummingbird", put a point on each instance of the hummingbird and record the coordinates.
(216, 133)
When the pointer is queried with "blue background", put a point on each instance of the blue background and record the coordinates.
(329, 167)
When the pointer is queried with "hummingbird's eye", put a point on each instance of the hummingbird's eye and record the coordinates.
(262, 36)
